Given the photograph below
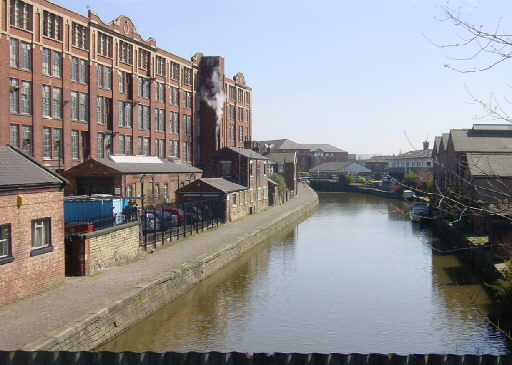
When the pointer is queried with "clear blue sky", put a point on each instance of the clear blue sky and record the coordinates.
(356, 74)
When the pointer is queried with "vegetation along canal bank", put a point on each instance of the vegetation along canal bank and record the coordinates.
(100, 307)
(356, 276)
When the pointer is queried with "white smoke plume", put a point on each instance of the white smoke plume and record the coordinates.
(213, 95)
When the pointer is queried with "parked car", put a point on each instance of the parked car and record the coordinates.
(151, 221)
(178, 212)
(193, 214)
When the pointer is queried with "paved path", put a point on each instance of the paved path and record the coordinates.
(29, 319)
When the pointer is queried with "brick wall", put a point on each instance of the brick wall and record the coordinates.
(27, 274)
(247, 202)
(112, 246)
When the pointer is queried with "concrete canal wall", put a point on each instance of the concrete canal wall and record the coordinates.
(147, 297)
(476, 255)
(330, 186)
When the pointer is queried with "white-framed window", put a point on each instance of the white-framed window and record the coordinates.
(46, 106)
(74, 105)
(26, 97)
(41, 236)
(121, 144)
(79, 36)
(160, 66)
(5, 241)
(143, 87)
(20, 15)
(26, 56)
(52, 25)
(26, 139)
(57, 143)
(74, 69)
(147, 151)
(174, 71)
(84, 107)
(125, 52)
(101, 144)
(84, 72)
(13, 52)
(14, 131)
(104, 44)
(56, 64)
(74, 145)
(144, 59)
(14, 96)
(187, 76)
(57, 102)
(140, 148)
(47, 142)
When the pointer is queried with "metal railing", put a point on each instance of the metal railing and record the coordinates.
(174, 221)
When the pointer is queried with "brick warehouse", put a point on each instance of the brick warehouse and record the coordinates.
(79, 87)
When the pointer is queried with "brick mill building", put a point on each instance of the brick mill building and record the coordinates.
(31, 226)
(76, 87)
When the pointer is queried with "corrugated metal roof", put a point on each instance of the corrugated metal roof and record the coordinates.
(18, 169)
(163, 166)
(498, 165)
(235, 358)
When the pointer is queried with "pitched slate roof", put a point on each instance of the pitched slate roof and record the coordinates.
(413, 154)
(350, 167)
(20, 170)
(444, 139)
(482, 140)
(437, 144)
(281, 144)
(324, 147)
(154, 165)
(281, 157)
(248, 153)
(222, 184)
(497, 165)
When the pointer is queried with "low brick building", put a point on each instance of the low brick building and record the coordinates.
(244, 167)
(148, 177)
(31, 226)
(285, 163)
(237, 201)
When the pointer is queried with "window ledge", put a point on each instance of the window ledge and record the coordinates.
(41, 250)
(6, 260)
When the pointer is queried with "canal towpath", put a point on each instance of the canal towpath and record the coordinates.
(29, 322)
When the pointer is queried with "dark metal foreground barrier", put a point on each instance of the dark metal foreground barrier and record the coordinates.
(176, 220)
(235, 358)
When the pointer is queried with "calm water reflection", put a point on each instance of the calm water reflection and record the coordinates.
(356, 276)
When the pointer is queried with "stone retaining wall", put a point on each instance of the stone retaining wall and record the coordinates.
(112, 246)
(97, 328)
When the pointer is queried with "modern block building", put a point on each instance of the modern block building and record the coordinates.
(77, 87)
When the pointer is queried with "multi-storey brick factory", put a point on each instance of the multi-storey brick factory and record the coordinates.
(80, 87)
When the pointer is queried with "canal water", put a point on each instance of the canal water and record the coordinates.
(356, 276)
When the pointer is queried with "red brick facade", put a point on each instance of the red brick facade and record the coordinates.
(114, 48)
(249, 172)
(28, 271)
(104, 180)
